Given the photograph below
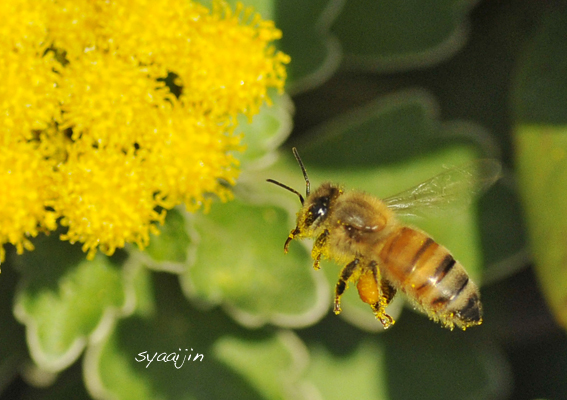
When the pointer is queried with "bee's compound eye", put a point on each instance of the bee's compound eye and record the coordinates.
(318, 209)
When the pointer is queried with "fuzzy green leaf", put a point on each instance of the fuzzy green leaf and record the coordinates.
(393, 35)
(267, 130)
(273, 366)
(205, 350)
(64, 300)
(264, 7)
(357, 375)
(542, 171)
(428, 363)
(390, 130)
(69, 384)
(315, 53)
(414, 360)
(170, 246)
(540, 90)
(503, 232)
(238, 260)
(541, 153)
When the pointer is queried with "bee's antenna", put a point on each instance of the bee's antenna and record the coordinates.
(288, 188)
(307, 184)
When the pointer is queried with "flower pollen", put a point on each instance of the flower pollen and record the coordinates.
(115, 112)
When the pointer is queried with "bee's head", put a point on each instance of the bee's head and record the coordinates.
(315, 207)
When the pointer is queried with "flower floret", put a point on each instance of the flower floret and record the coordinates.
(115, 112)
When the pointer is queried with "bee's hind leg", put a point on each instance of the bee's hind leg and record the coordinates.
(378, 296)
(379, 308)
(346, 273)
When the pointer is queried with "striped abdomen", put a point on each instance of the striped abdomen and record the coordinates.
(429, 275)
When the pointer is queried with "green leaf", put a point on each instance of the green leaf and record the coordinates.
(394, 35)
(168, 250)
(426, 362)
(540, 92)
(503, 235)
(64, 300)
(360, 374)
(264, 7)
(265, 133)
(414, 360)
(540, 86)
(273, 365)
(315, 53)
(238, 261)
(391, 129)
(542, 173)
(216, 359)
(69, 385)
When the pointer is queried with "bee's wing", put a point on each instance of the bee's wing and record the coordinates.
(450, 191)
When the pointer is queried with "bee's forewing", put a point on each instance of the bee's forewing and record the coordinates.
(451, 191)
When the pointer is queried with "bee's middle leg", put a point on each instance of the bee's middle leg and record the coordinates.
(346, 273)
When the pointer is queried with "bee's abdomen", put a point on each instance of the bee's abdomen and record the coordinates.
(431, 277)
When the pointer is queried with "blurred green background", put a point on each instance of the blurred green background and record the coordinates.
(381, 96)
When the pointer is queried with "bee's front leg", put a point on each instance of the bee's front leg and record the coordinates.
(318, 248)
(346, 273)
(290, 237)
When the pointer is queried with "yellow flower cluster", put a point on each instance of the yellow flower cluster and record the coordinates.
(113, 110)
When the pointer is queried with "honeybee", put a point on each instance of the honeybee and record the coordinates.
(383, 255)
